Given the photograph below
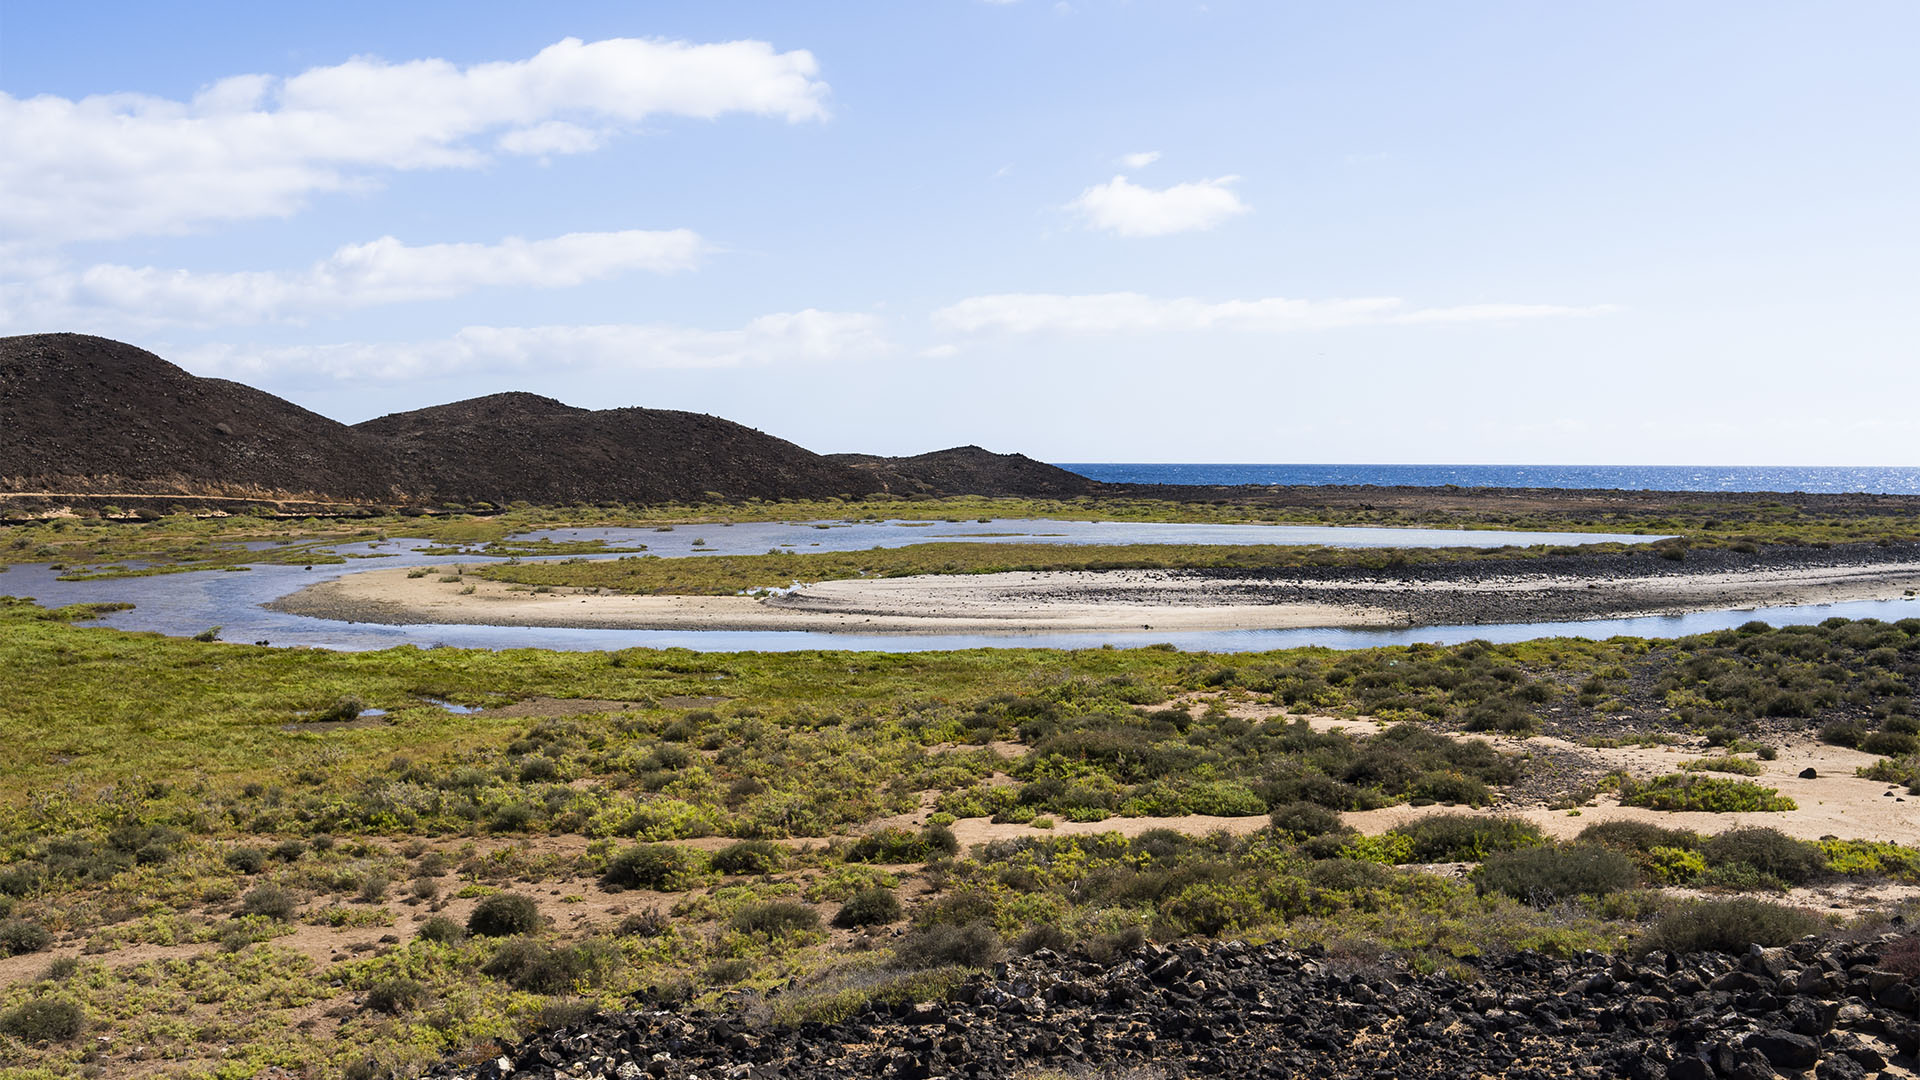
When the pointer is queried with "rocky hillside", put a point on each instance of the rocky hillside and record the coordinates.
(972, 470)
(86, 418)
(509, 447)
(86, 414)
(1831, 1010)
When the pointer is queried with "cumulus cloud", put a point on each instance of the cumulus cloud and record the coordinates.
(251, 146)
(383, 271)
(809, 336)
(1123, 207)
(1115, 313)
(1140, 160)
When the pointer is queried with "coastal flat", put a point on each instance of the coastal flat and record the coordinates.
(1117, 600)
(1019, 602)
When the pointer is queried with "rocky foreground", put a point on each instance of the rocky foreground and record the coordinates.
(1819, 1008)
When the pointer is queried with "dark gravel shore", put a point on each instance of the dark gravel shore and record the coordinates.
(1562, 587)
(1824, 1009)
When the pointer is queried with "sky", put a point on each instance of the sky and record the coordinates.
(1097, 230)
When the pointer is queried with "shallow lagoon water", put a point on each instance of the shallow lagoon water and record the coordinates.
(185, 604)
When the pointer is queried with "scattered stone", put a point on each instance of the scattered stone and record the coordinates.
(1255, 1012)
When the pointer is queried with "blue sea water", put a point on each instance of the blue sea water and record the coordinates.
(1825, 479)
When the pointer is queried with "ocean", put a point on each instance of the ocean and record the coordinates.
(1839, 479)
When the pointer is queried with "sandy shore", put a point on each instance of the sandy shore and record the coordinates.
(976, 603)
(1124, 600)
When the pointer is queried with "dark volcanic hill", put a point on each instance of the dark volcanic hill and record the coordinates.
(87, 414)
(971, 470)
(88, 418)
(507, 447)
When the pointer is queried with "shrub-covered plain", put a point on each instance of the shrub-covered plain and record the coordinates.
(683, 824)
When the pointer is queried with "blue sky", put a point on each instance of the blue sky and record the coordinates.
(1471, 232)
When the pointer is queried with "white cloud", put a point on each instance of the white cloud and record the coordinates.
(552, 137)
(808, 336)
(940, 352)
(384, 271)
(1123, 207)
(251, 146)
(1114, 313)
(1140, 160)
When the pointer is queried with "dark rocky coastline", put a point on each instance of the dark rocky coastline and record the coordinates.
(1827, 1009)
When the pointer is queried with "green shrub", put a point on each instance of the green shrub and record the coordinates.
(650, 923)
(539, 968)
(394, 996)
(373, 888)
(891, 845)
(973, 945)
(1465, 837)
(1544, 876)
(43, 1020)
(941, 840)
(869, 907)
(1856, 858)
(566, 1013)
(1501, 715)
(246, 860)
(1304, 820)
(1730, 926)
(749, 857)
(775, 918)
(443, 930)
(1040, 936)
(60, 969)
(1453, 788)
(19, 937)
(1843, 733)
(1349, 875)
(1298, 783)
(1211, 908)
(289, 850)
(660, 867)
(504, 914)
(1673, 865)
(1890, 743)
(511, 817)
(1643, 836)
(342, 709)
(1709, 794)
(271, 901)
(1766, 851)
(726, 972)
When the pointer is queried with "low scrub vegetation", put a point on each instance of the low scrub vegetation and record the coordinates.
(680, 840)
(1708, 794)
(1731, 926)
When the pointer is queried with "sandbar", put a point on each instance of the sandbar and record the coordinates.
(1113, 600)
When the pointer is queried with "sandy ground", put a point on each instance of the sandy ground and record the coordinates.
(1836, 803)
(1115, 600)
(973, 603)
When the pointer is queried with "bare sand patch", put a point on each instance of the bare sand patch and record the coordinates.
(973, 603)
(1108, 601)
(1835, 802)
